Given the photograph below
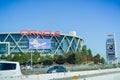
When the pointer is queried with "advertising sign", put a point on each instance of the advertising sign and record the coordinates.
(39, 44)
(110, 48)
(39, 32)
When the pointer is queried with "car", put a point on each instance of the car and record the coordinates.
(56, 69)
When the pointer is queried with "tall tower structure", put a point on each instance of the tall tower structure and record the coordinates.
(111, 52)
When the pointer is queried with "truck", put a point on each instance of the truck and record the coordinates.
(10, 70)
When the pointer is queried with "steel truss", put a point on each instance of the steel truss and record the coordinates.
(71, 43)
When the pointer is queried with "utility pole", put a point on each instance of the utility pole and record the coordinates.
(31, 60)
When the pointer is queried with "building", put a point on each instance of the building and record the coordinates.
(14, 42)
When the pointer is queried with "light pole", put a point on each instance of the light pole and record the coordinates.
(31, 60)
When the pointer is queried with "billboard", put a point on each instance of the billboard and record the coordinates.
(110, 49)
(110, 46)
(39, 44)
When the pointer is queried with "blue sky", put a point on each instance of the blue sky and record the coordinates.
(91, 19)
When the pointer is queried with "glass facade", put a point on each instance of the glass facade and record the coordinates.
(4, 48)
(20, 44)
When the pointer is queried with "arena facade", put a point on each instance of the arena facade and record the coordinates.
(21, 42)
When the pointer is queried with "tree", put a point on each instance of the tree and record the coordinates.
(60, 60)
(102, 60)
(84, 54)
(25, 58)
(3, 56)
(47, 62)
(66, 55)
(36, 57)
(89, 52)
(89, 56)
(9, 57)
(77, 58)
(97, 58)
(16, 57)
(71, 58)
(84, 50)
(48, 57)
(42, 58)
(55, 57)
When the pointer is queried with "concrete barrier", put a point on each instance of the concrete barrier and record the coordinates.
(54, 76)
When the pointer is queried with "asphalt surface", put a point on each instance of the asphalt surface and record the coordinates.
(83, 77)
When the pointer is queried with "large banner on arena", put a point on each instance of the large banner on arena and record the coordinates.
(39, 44)
(110, 48)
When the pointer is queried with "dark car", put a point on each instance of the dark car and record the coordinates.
(56, 69)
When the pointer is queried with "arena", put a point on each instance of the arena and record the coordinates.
(14, 42)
